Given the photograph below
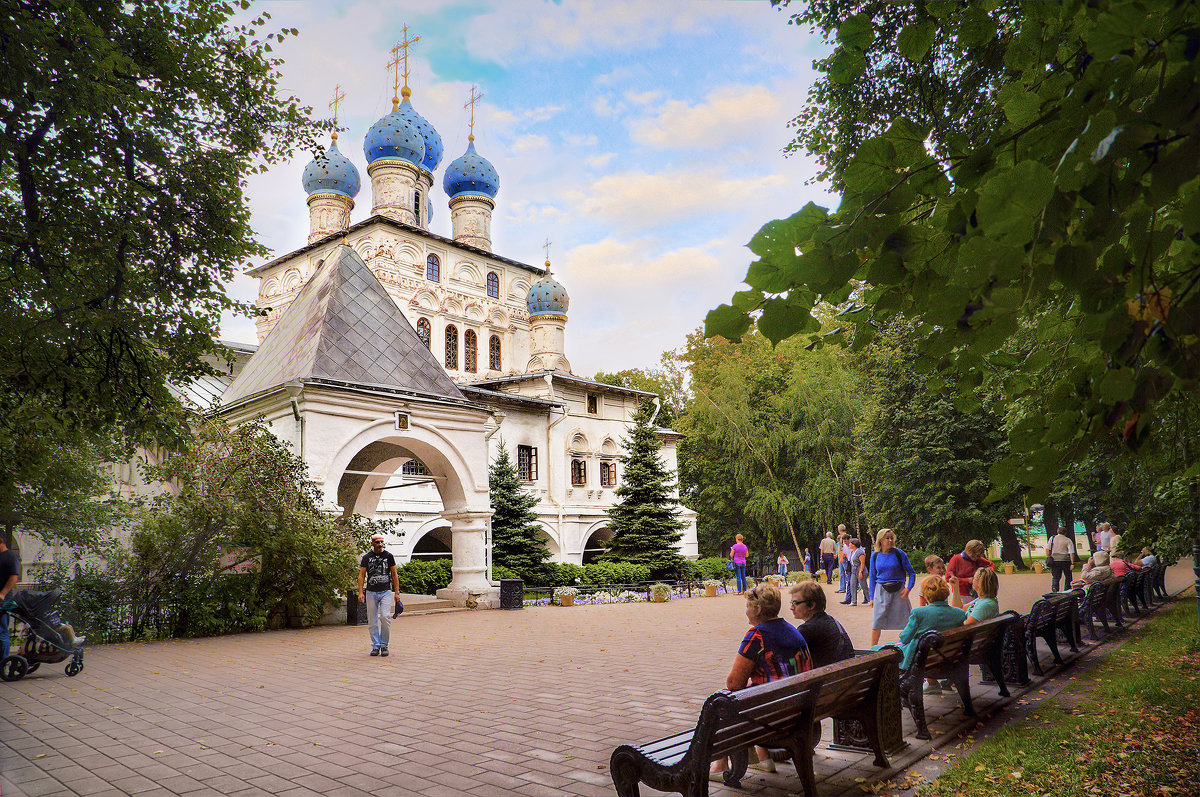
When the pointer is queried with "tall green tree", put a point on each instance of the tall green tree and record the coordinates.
(127, 132)
(645, 521)
(516, 540)
(925, 460)
(668, 380)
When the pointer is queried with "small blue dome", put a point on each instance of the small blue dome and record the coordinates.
(547, 297)
(331, 172)
(471, 174)
(434, 148)
(394, 136)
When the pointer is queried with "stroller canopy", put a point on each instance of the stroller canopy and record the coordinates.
(38, 605)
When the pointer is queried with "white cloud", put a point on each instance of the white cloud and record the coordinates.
(530, 143)
(580, 140)
(604, 106)
(643, 97)
(639, 199)
(599, 161)
(728, 116)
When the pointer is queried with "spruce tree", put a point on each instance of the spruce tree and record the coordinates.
(645, 524)
(516, 543)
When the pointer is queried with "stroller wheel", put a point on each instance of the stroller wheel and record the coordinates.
(33, 665)
(74, 668)
(13, 668)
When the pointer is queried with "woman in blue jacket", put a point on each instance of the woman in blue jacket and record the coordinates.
(891, 576)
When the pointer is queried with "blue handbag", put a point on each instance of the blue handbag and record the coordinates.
(729, 564)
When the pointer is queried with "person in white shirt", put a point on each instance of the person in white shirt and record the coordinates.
(1062, 558)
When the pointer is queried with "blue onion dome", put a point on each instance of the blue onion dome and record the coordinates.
(394, 136)
(471, 174)
(434, 149)
(547, 297)
(331, 172)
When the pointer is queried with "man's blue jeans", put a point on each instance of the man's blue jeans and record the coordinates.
(3, 634)
(739, 570)
(379, 617)
(843, 575)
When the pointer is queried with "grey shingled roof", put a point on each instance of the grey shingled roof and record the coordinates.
(343, 326)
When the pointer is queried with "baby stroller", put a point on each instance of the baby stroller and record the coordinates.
(43, 638)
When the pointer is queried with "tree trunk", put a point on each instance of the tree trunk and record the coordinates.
(1010, 546)
(1089, 530)
(1068, 520)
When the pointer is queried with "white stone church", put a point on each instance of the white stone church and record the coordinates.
(397, 362)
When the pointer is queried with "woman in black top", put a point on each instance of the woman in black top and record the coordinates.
(827, 640)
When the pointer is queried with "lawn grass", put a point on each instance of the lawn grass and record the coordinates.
(1129, 726)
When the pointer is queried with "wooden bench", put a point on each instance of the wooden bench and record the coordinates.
(948, 654)
(1160, 582)
(1093, 606)
(1132, 600)
(777, 714)
(1054, 613)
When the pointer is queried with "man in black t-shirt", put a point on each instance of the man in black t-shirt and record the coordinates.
(376, 573)
(10, 573)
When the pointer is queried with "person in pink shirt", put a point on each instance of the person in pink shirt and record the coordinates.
(738, 554)
(1120, 566)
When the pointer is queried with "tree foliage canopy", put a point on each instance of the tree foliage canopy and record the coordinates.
(1073, 213)
(127, 131)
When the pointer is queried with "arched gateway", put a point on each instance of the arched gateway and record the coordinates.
(346, 379)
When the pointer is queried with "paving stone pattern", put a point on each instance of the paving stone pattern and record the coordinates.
(528, 702)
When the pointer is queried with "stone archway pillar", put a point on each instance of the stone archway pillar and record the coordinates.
(469, 585)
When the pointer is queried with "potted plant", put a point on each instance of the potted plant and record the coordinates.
(565, 595)
(660, 591)
(1037, 567)
(1009, 568)
(710, 587)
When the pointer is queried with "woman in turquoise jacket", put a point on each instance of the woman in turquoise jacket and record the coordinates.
(936, 615)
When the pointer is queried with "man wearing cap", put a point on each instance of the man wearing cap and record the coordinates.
(377, 572)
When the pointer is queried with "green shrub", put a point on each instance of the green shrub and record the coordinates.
(500, 571)
(712, 567)
(424, 576)
(615, 573)
(691, 571)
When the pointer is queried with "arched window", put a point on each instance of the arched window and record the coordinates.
(433, 268)
(470, 352)
(425, 333)
(452, 347)
(493, 285)
(494, 353)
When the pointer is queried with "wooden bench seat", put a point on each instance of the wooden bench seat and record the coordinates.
(779, 714)
(948, 654)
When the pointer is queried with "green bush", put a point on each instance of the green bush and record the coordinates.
(500, 572)
(712, 567)
(615, 573)
(424, 576)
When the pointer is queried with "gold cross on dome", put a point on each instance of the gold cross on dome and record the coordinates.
(400, 56)
(338, 96)
(546, 246)
(475, 97)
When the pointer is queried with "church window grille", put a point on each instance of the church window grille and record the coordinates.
(414, 467)
(452, 347)
(470, 352)
(593, 404)
(578, 473)
(433, 268)
(425, 333)
(494, 353)
(527, 467)
(417, 208)
(493, 285)
(608, 474)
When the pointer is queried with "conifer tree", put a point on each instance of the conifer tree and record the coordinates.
(645, 524)
(516, 543)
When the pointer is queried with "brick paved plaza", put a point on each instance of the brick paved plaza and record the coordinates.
(530, 702)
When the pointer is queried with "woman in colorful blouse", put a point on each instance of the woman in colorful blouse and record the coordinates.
(770, 650)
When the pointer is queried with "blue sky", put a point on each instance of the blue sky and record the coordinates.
(644, 139)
